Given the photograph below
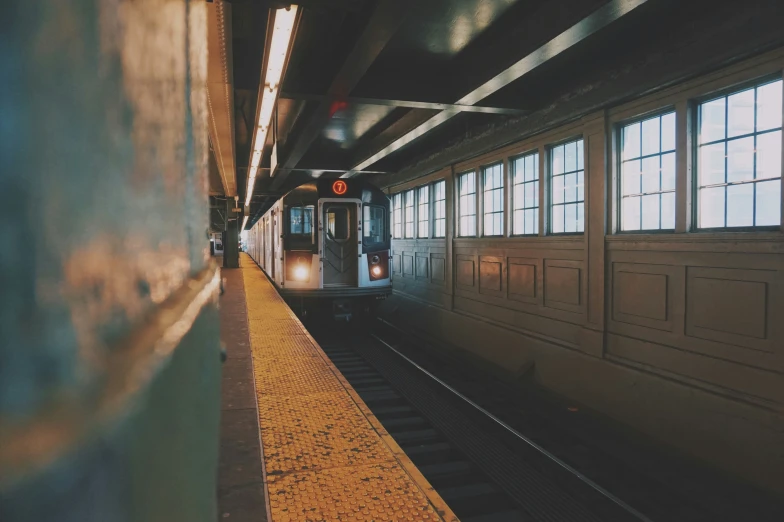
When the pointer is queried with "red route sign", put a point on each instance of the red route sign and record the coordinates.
(339, 187)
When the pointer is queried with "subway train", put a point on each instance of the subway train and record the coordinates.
(326, 243)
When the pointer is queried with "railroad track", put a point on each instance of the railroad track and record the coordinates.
(465, 436)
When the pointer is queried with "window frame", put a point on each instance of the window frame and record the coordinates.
(413, 222)
(475, 194)
(694, 148)
(433, 228)
(617, 142)
(511, 159)
(548, 149)
(482, 178)
(418, 217)
(396, 198)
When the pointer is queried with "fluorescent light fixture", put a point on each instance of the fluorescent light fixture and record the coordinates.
(255, 159)
(276, 59)
(244, 222)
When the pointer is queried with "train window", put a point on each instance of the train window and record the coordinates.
(467, 204)
(397, 216)
(525, 194)
(439, 209)
(739, 159)
(373, 230)
(408, 204)
(301, 220)
(493, 190)
(648, 174)
(338, 223)
(567, 194)
(423, 211)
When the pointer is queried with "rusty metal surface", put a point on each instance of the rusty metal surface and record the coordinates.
(103, 207)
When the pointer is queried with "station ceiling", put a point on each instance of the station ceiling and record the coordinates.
(362, 74)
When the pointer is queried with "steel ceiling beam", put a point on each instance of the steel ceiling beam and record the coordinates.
(220, 93)
(383, 24)
(405, 103)
(589, 25)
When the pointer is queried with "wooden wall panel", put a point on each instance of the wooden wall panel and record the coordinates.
(437, 269)
(490, 275)
(465, 267)
(522, 279)
(730, 306)
(643, 294)
(563, 285)
(408, 264)
(421, 265)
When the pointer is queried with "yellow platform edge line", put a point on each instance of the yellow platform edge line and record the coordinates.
(419, 480)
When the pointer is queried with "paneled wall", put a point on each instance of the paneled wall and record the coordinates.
(691, 319)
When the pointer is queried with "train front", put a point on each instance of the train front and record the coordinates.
(336, 246)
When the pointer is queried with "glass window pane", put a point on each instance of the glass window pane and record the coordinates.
(580, 155)
(558, 189)
(373, 230)
(631, 182)
(650, 212)
(740, 113)
(711, 207)
(650, 174)
(668, 171)
(740, 205)
(570, 153)
(630, 213)
(532, 167)
(711, 164)
(668, 211)
(581, 217)
(570, 218)
(580, 186)
(768, 203)
(740, 159)
(712, 124)
(558, 219)
(558, 160)
(650, 136)
(769, 106)
(769, 155)
(570, 187)
(296, 220)
(668, 132)
(631, 141)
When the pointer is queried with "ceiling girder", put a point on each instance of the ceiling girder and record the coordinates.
(383, 24)
(589, 25)
(220, 93)
(404, 103)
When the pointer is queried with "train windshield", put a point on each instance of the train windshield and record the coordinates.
(301, 221)
(373, 225)
(300, 228)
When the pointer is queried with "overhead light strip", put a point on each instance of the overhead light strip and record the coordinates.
(276, 61)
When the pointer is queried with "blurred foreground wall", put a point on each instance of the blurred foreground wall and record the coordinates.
(109, 347)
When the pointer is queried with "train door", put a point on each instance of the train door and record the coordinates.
(339, 225)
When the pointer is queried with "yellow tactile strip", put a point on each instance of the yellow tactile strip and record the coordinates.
(326, 457)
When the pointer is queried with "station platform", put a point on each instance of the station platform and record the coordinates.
(297, 442)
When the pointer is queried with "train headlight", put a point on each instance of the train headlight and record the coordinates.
(376, 271)
(300, 273)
